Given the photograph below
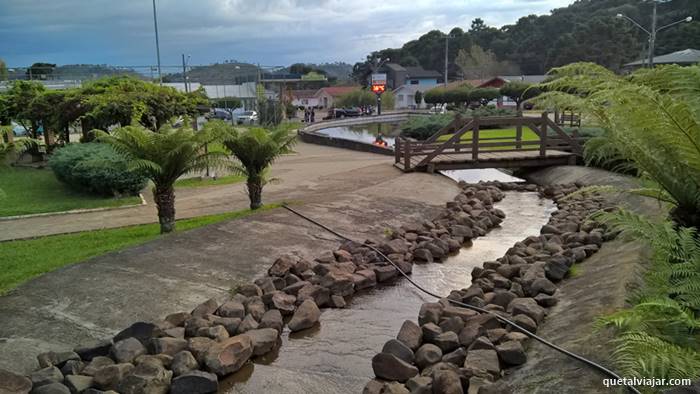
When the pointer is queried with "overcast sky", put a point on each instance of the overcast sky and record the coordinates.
(269, 32)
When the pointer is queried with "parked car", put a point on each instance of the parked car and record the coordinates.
(247, 117)
(339, 113)
(220, 113)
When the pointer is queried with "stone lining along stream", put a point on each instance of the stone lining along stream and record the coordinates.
(335, 357)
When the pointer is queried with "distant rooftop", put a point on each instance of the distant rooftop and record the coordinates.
(420, 72)
(686, 56)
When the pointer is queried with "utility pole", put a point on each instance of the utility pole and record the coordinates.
(155, 24)
(184, 73)
(447, 46)
(652, 36)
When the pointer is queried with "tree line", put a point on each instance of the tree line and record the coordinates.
(587, 30)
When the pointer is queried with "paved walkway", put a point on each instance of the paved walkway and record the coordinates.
(302, 176)
(361, 195)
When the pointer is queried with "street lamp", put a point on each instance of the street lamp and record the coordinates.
(652, 32)
(447, 38)
(184, 70)
(155, 24)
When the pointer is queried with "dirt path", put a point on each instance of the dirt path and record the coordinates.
(95, 299)
(310, 173)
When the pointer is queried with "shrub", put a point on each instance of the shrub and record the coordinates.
(423, 127)
(95, 168)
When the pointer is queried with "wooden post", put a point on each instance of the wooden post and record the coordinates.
(519, 131)
(556, 115)
(475, 140)
(407, 155)
(397, 150)
(543, 135)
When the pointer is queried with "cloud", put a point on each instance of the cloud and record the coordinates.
(270, 32)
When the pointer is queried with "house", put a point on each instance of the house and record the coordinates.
(686, 57)
(304, 98)
(326, 96)
(496, 83)
(405, 96)
(398, 75)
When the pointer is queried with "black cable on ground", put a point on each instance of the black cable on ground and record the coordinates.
(532, 335)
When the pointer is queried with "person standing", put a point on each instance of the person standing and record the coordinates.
(313, 115)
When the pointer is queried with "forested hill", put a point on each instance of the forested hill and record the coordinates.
(586, 30)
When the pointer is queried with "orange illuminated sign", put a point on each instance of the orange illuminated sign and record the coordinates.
(378, 89)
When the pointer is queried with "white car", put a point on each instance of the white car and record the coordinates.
(247, 117)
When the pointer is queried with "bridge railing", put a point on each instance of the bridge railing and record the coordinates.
(454, 140)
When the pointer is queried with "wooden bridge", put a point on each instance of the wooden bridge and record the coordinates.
(452, 148)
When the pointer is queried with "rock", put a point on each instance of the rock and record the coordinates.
(175, 332)
(456, 357)
(256, 308)
(319, 294)
(447, 341)
(283, 302)
(194, 324)
(52, 388)
(456, 311)
(481, 343)
(395, 246)
(374, 386)
(339, 283)
(50, 359)
(410, 335)
(107, 378)
(78, 383)
(306, 316)
(263, 340)
(511, 353)
(169, 346)
(542, 285)
(385, 272)
(178, 319)
(398, 349)
(363, 279)
(217, 333)
(342, 256)
(549, 229)
(232, 309)
(454, 324)
(430, 312)
(293, 288)
(427, 354)
(125, 351)
(459, 230)
(498, 387)
(45, 376)
(446, 381)
(199, 346)
(495, 335)
(249, 323)
(272, 319)
(528, 307)
(195, 382)
(72, 367)
(158, 359)
(96, 363)
(389, 367)
(282, 266)
(266, 284)
(87, 353)
(140, 330)
(249, 290)
(556, 270)
(228, 356)
(430, 332)
(146, 378)
(183, 362)
(525, 322)
(503, 297)
(483, 359)
(423, 255)
(395, 388)
(12, 383)
(337, 302)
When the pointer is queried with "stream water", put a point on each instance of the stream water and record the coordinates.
(335, 357)
(364, 133)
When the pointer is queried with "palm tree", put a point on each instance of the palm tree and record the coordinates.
(651, 121)
(163, 157)
(256, 148)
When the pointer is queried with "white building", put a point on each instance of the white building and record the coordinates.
(405, 96)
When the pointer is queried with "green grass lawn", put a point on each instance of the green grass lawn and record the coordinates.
(199, 182)
(26, 259)
(27, 190)
(528, 135)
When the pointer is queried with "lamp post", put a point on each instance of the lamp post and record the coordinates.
(447, 51)
(379, 93)
(654, 29)
(155, 24)
(184, 71)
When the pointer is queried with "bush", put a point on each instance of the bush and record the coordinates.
(487, 111)
(422, 127)
(95, 168)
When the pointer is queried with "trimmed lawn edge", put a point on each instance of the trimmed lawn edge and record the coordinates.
(74, 211)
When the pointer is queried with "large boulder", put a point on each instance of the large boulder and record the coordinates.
(283, 302)
(53, 388)
(264, 340)
(232, 308)
(96, 363)
(339, 283)
(389, 367)
(398, 349)
(142, 331)
(228, 356)
(46, 376)
(447, 381)
(126, 351)
(272, 319)
(169, 346)
(511, 353)
(199, 346)
(107, 378)
(282, 266)
(183, 362)
(319, 294)
(428, 354)
(527, 307)
(208, 307)
(195, 382)
(12, 383)
(146, 378)
(306, 316)
(410, 335)
(483, 360)
(430, 312)
(78, 383)
(88, 352)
